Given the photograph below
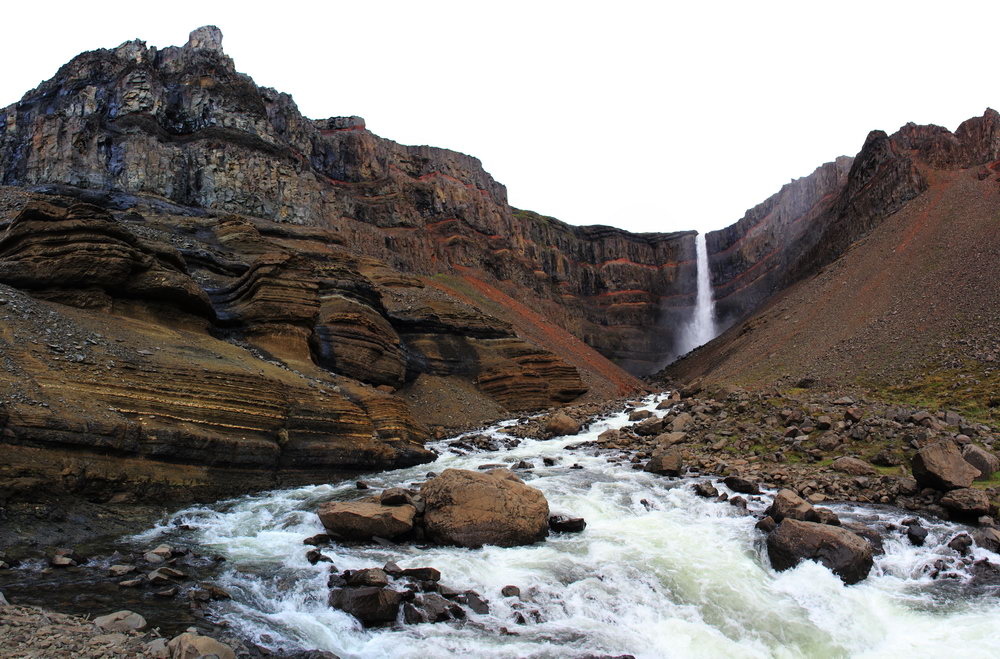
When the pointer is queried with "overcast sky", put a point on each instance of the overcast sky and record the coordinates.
(652, 116)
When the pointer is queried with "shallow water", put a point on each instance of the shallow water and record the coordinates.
(658, 572)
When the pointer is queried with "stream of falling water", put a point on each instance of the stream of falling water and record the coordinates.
(701, 328)
(658, 572)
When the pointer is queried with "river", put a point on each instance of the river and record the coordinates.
(658, 572)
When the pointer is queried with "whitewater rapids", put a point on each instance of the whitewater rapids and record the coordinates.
(658, 572)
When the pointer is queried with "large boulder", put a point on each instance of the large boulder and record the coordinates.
(120, 621)
(845, 553)
(789, 505)
(561, 423)
(371, 605)
(666, 463)
(359, 520)
(942, 467)
(967, 502)
(986, 462)
(471, 509)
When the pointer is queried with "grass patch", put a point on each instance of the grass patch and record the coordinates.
(972, 390)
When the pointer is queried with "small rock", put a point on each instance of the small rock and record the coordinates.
(566, 524)
(510, 591)
(120, 621)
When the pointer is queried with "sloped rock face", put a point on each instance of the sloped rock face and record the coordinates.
(183, 124)
(814, 220)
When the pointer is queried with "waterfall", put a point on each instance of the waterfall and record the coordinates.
(701, 328)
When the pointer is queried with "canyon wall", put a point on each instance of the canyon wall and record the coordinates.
(182, 124)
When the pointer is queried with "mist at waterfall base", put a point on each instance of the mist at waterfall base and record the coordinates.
(701, 328)
(658, 572)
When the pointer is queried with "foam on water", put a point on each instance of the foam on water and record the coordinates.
(659, 572)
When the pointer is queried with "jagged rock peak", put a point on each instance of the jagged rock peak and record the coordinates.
(207, 37)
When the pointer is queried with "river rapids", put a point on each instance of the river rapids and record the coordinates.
(658, 572)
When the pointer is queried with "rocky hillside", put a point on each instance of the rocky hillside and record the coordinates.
(909, 310)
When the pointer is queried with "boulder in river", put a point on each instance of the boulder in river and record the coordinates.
(741, 485)
(561, 423)
(666, 463)
(359, 520)
(471, 509)
(789, 505)
(371, 605)
(942, 467)
(848, 555)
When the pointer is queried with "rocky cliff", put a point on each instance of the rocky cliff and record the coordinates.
(814, 220)
(182, 124)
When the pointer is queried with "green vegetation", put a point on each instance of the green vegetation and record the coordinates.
(972, 390)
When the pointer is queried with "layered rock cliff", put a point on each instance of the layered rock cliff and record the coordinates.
(182, 124)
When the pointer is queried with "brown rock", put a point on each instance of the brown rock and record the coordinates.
(789, 505)
(967, 502)
(356, 520)
(120, 621)
(194, 646)
(845, 553)
(472, 509)
(941, 466)
(666, 463)
(985, 461)
(854, 467)
(561, 423)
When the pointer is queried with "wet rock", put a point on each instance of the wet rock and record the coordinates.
(742, 485)
(706, 490)
(372, 576)
(434, 608)
(120, 621)
(666, 463)
(510, 591)
(422, 573)
(854, 467)
(472, 509)
(561, 423)
(767, 524)
(789, 505)
(120, 570)
(567, 524)
(474, 601)
(318, 539)
(167, 593)
(315, 556)
(942, 467)
(64, 558)
(986, 462)
(872, 536)
(609, 436)
(843, 552)
(357, 520)
(966, 502)
(988, 539)
(826, 516)
(370, 605)
(639, 415)
(916, 534)
(961, 543)
(194, 646)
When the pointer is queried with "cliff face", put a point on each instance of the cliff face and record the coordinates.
(182, 124)
(814, 220)
(902, 294)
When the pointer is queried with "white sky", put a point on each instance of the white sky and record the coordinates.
(652, 116)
